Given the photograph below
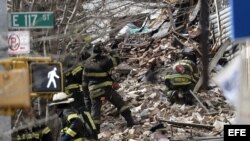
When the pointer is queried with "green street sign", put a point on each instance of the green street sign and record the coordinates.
(24, 20)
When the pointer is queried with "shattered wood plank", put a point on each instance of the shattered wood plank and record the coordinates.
(187, 39)
(195, 11)
(199, 101)
(179, 40)
(146, 43)
(170, 15)
(187, 124)
(207, 138)
(218, 55)
(214, 61)
(211, 113)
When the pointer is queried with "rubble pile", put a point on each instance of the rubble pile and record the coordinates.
(150, 106)
(143, 53)
(148, 103)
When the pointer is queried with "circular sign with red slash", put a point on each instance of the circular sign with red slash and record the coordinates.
(14, 42)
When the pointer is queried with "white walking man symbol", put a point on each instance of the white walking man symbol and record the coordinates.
(51, 76)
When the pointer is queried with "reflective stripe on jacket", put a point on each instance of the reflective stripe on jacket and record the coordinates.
(74, 76)
(72, 124)
(37, 134)
(96, 74)
(179, 79)
(72, 87)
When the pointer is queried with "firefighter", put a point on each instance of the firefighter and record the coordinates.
(97, 82)
(39, 132)
(42, 133)
(73, 88)
(182, 78)
(73, 128)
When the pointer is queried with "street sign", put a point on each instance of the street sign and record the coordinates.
(46, 77)
(240, 20)
(19, 42)
(26, 20)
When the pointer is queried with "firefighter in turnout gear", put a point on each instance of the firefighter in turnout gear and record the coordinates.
(35, 131)
(182, 78)
(73, 128)
(98, 83)
(42, 133)
(73, 88)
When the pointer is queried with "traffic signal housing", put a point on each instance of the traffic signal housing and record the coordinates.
(46, 77)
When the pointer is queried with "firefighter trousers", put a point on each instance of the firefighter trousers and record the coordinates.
(114, 98)
(79, 105)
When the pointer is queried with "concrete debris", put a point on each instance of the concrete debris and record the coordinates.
(219, 125)
(150, 56)
(148, 103)
(150, 108)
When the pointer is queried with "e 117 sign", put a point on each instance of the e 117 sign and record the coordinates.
(26, 20)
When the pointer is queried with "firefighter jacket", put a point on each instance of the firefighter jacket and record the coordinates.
(97, 74)
(73, 80)
(188, 78)
(42, 133)
(73, 88)
(73, 127)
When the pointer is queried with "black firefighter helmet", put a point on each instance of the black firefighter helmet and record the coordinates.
(189, 53)
(97, 49)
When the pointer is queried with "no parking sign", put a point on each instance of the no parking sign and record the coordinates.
(19, 42)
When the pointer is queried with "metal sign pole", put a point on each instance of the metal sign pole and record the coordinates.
(3, 28)
(5, 121)
(204, 40)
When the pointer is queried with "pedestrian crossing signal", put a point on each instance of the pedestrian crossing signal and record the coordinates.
(46, 77)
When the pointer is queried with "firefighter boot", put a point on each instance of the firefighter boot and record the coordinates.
(98, 127)
(128, 117)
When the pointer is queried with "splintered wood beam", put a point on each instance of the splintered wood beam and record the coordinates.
(208, 138)
(194, 95)
(187, 124)
(212, 64)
